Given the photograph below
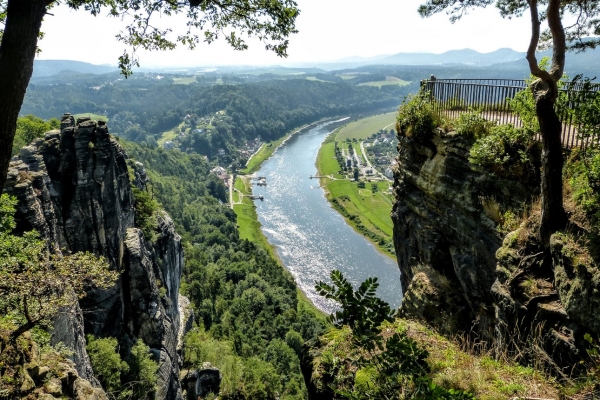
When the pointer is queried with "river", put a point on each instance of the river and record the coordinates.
(311, 238)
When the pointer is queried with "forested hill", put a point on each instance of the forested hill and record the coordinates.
(141, 109)
(270, 109)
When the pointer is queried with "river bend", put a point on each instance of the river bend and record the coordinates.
(311, 238)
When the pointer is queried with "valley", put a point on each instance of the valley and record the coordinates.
(247, 213)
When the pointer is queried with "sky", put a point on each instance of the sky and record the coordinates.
(328, 30)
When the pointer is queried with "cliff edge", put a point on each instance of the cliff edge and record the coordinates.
(74, 187)
(461, 271)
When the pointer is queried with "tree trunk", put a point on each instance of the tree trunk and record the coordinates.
(17, 51)
(553, 214)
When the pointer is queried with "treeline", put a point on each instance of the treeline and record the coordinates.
(142, 106)
(251, 324)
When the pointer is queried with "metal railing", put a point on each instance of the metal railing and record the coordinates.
(451, 97)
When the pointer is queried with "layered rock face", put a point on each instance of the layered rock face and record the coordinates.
(73, 187)
(443, 225)
(459, 274)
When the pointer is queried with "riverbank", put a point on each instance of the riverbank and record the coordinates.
(267, 149)
(367, 208)
(245, 208)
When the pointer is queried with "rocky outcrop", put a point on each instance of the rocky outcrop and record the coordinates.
(445, 218)
(200, 383)
(32, 373)
(459, 273)
(74, 187)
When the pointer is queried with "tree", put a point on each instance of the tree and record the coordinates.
(272, 21)
(544, 88)
(30, 127)
(35, 285)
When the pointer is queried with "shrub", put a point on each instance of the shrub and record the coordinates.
(142, 372)
(106, 362)
(146, 209)
(473, 125)
(507, 151)
(416, 118)
(584, 173)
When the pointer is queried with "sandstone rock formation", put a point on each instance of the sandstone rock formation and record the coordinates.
(74, 187)
(461, 274)
(444, 220)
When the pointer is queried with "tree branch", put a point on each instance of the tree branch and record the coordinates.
(532, 59)
(558, 39)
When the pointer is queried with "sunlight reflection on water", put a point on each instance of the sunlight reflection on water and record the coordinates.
(311, 238)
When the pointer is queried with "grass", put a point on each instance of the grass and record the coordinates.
(260, 156)
(365, 211)
(185, 80)
(453, 366)
(462, 368)
(95, 117)
(166, 136)
(246, 216)
(363, 128)
(389, 80)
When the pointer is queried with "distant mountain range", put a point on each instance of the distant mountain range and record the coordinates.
(44, 68)
(505, 58)
(586, 62)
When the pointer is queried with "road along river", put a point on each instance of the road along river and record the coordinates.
(311, 238)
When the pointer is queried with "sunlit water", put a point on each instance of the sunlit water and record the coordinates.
(311, 238)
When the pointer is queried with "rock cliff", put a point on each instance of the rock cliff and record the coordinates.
(74, 187)
(444, 224)
(461, 274)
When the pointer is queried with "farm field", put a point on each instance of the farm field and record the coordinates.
(389, 80)
(184, 80)
(363, 128)
(314, 78)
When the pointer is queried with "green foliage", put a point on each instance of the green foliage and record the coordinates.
(584, 175)
(142, 375)
(473, 125)
(375, 366)
(416, 117)
(294, 341)
(587, 114)
(507, 151)
(509, 222)
(145, 212)
(361, 310)
(523, 104)
(243, 299)
(31, 127)
(35, 284)
(106, 362)
(594, 355)
(135, 379)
